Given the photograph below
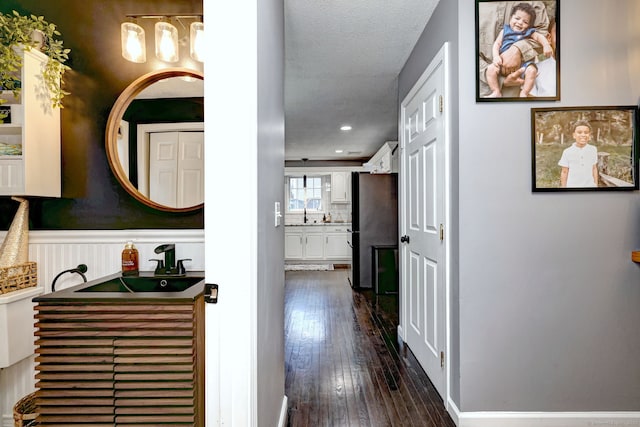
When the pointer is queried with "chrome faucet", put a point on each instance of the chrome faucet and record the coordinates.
(168, 267)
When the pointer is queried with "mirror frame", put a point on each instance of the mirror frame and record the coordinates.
(113, 123)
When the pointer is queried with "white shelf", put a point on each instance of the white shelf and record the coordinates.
(10, 128)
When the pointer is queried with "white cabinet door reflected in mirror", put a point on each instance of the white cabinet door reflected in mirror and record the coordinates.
(176, 168)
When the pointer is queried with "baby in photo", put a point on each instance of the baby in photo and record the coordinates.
(520, 26)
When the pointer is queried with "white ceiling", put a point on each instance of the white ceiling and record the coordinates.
(342, 60)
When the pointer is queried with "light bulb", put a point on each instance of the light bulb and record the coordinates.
(133, 42)
(197, 41)
(166, 42)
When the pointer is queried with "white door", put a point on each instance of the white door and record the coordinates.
(424, 220)
(190, 169)
(163, 168)
(176, 168)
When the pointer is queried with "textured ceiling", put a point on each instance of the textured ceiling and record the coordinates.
(343, 58)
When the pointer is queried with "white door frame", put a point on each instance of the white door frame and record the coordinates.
(231, 132)
(441, 56)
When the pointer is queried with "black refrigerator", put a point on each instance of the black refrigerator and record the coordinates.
(374, 219)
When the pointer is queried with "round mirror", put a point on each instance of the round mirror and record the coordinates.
(155, 139)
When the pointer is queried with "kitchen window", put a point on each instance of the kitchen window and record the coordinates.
(305, 192)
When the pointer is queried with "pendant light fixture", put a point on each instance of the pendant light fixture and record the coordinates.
(197, 41)
(166, 42)
(167, 39)
(133, 42)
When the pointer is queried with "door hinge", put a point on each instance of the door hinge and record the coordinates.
(442, 359)
(441, 104)
(441, 232)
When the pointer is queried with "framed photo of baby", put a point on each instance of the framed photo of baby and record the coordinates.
(517, 50)
(584, 148)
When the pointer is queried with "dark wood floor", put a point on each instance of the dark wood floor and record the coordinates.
(344, 366)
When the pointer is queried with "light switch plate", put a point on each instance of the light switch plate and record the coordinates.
(277, 214)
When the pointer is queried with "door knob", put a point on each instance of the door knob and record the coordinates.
(404, 239)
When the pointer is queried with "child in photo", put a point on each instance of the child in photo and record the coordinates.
(520, 26)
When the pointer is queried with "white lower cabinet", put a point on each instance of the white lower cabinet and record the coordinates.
(293, 244)
(317, 242)
(314, 245)
(336, 244)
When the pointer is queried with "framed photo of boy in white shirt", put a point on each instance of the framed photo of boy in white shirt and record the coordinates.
(584, 148)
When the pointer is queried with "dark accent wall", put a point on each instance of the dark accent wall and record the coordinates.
(92, 198)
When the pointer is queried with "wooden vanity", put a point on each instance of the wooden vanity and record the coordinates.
(120, 359)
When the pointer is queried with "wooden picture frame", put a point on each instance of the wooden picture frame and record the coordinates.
(528, 68)
(584, 148)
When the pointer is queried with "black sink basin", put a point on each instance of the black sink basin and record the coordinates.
(144, 284)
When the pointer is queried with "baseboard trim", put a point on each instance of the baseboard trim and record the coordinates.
(7, 420)
(453, 410)
(282, 422)
(542, 419)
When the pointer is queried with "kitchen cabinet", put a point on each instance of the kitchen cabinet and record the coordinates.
(30, 136)
(317, 242)
(293, 244)
(336, 244)
(340, 187)
(385, 159)
(304, 243)
(314, 244)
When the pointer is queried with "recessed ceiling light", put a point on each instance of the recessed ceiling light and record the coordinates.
(339, 151)
(345, 127)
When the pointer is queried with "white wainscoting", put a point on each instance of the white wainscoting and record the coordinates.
(100, 250)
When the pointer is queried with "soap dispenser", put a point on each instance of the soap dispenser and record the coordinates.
(130, 260)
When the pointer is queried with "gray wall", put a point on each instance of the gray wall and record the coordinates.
(548, 297)
(442, 28)
(270, 289)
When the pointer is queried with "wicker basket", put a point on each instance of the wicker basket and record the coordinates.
(18, 277)
(24, 412)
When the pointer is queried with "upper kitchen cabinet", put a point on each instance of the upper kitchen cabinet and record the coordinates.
(340, 187)
(30, 135)
(385, 160)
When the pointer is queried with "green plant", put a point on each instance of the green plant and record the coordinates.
(16, 33)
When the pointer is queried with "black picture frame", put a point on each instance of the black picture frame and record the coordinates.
(542, 72)
(613, 134)
(5, 114)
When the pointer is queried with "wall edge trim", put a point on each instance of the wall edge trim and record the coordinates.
(113, 236)
(546, 419)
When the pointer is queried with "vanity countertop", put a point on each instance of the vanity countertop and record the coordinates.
(74, 295)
